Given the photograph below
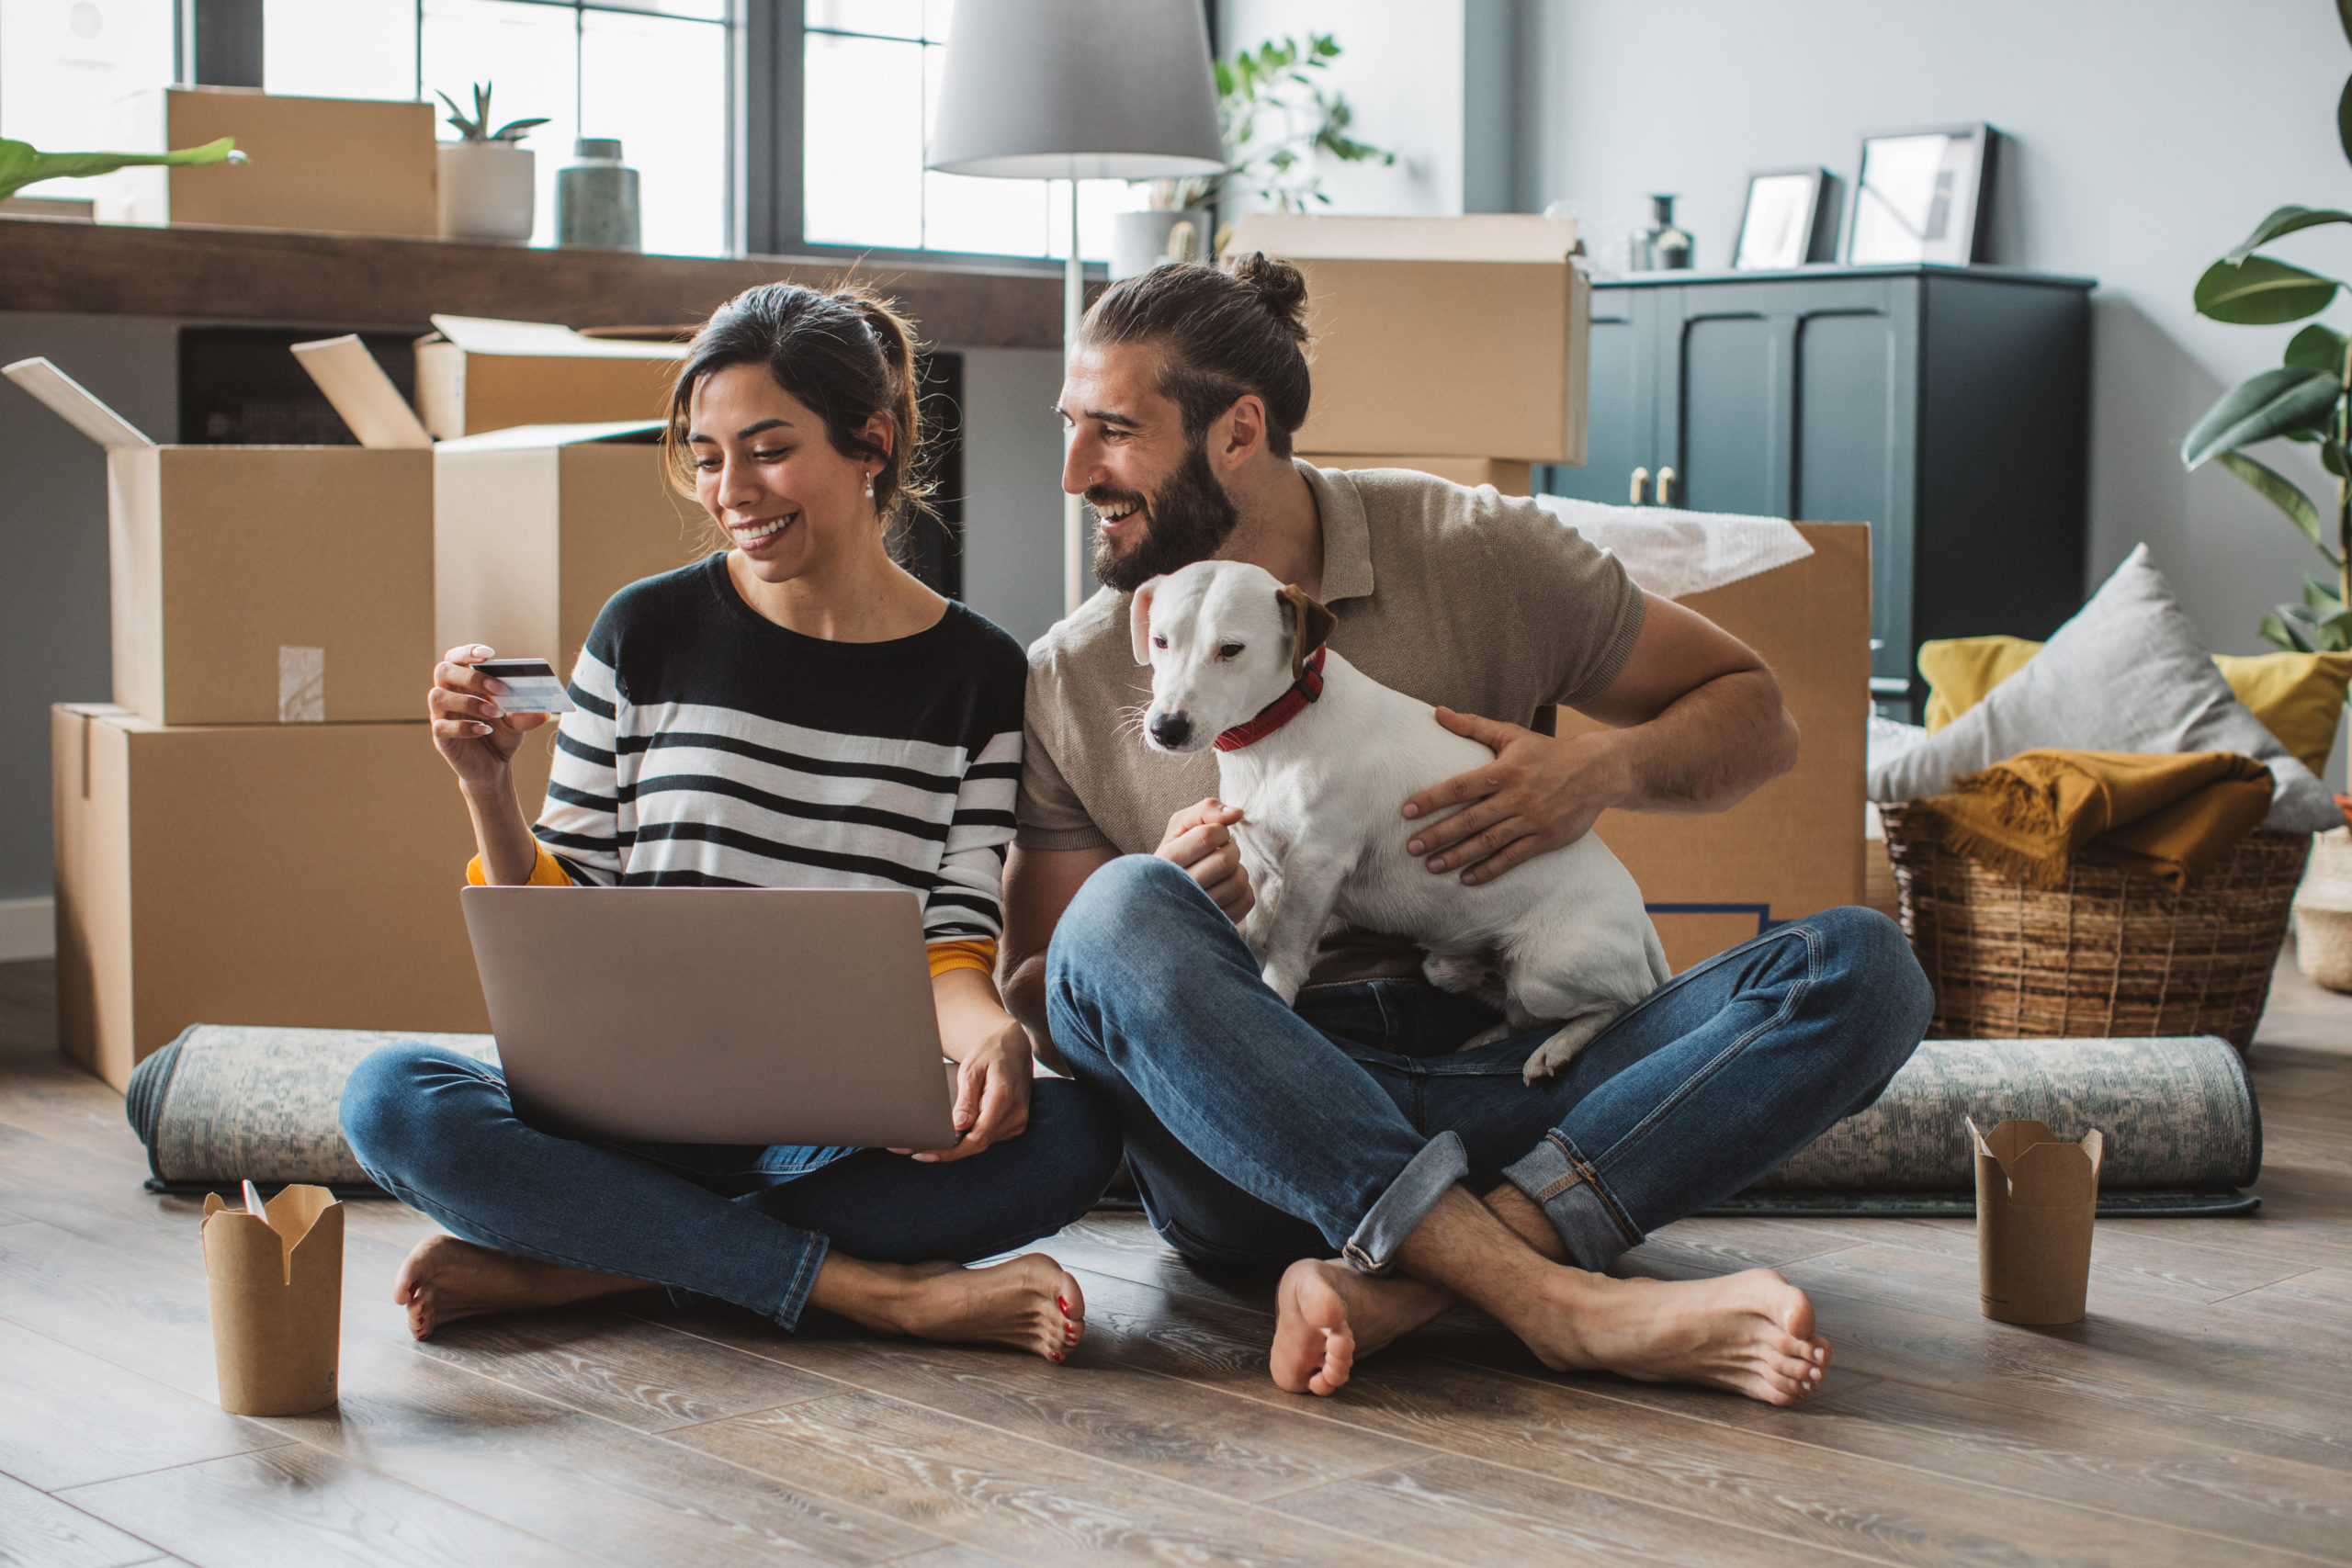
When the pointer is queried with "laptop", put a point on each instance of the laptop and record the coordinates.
(714, 1015)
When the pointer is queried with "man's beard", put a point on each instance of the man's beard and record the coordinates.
(1190, 518)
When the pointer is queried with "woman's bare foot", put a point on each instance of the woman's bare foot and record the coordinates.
(1327, 1314)
(1751, 1333)
(1031, 1303)
(445, 1279)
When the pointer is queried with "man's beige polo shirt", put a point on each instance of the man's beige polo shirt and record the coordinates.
(1463, 598)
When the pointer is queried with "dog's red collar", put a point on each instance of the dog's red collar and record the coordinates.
(1281, 711)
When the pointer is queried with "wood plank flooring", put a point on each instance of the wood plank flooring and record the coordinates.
(2202, 1413)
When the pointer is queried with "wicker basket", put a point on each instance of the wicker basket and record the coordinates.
(2109, 953)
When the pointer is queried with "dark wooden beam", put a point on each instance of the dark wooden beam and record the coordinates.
(352, 281)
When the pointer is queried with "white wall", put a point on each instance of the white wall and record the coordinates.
(1401, 66)
(2146, 138)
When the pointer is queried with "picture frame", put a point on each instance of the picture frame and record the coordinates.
(1790, 220)
(1919, 196)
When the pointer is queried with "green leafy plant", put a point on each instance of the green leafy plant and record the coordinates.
(474, 128)
(21, 164)
(2307, 399)
(1276, 118)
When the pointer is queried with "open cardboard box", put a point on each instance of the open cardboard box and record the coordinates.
(1795, 847)
(328, 165)
(260, 584)
(475, 375)
(1448, 335)
(296, 875)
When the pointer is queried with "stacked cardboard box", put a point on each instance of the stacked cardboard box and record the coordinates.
(1452, 346)
(259, 828)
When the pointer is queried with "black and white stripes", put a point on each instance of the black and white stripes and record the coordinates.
(713, 747)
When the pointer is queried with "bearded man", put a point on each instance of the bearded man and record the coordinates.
(1349, 1137)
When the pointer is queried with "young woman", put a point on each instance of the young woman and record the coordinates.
(793, 711)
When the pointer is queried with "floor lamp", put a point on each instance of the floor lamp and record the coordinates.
(1077, 90)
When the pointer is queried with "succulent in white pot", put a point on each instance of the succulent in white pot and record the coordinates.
(488, 180)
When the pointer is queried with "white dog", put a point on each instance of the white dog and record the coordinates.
(1321, 770)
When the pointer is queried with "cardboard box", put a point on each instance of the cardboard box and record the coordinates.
(1795, 846)
(260, 584)
(1439, 334)
(536, 527)
(1510, 477)
(2037, 1201)
(299, 875)
(475, 375)
(327, 166)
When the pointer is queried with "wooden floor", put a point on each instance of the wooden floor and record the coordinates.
(2203, 1414)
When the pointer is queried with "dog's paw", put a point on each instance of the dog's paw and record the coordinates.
(1553, 1057)
(1284, 981)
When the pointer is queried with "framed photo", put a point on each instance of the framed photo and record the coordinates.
(1790, 218)
(1920, 196)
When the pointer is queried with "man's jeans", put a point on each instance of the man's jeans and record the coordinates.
(1260, 1135)
(435, 1128)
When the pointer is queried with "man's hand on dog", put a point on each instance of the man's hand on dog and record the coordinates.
(1199, 838)
(1538, 795)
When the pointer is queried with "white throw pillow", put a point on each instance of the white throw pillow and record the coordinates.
(2128, 673)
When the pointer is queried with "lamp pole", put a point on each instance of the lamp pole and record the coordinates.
(1073, 508)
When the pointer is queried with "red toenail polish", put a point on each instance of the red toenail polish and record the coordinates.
(1058, 1355)
(1062, 1303)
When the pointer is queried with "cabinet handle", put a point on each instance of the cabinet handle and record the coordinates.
(1666, 487)
(1641, 484)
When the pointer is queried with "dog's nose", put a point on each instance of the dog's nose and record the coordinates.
(1172, 729)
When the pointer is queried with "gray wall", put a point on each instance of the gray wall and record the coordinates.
(1012, 508)
(2146, 137)
(53, 614)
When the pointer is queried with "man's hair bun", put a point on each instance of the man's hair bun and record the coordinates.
(1279, 285)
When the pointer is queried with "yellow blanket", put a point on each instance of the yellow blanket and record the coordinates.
(2170, 816)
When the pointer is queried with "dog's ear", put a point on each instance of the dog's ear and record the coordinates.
(1139, 621)
(1310, 623)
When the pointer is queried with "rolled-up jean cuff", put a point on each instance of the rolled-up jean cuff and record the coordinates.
(1561, 1182)
(1409, 1198)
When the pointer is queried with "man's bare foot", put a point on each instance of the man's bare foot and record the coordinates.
(1751, 1333)
(445, 1279)
(1031, 1303)
(1326, 1314)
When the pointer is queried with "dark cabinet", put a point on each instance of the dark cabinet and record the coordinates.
(1947, 407)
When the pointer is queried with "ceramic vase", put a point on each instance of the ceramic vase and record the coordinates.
(1141, 241)
(487, 192)
(595, 198)
(2323, 912)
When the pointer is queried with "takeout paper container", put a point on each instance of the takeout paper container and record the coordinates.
(2035, 1201)
(276, 1289)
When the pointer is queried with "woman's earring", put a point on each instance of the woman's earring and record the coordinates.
(869, 487)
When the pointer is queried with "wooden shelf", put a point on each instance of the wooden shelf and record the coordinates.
(352, 281)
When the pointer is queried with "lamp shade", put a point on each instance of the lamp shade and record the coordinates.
(1077, 90)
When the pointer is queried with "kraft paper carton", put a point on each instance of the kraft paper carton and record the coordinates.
(2036, 1200)
(303, 874)
(1455, 335)
(476, 374)
(324, 165)
(277, 1288)
(1795, 847)
(260, 584)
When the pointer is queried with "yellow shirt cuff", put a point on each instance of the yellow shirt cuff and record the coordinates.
(546, 871)
(964, 952)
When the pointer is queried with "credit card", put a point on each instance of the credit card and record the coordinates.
(531, 686)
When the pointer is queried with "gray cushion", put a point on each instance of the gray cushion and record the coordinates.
(2128, 673)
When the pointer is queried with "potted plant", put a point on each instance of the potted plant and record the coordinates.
(21, 164)
(1275, 119)
(488, 182)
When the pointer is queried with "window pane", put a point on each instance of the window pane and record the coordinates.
(340, 49)
(700, 10)
(890, 19)
(528, 54)
(661, 86)
(935, 16)
(63, 68)
(862, 174)
(1001, 217)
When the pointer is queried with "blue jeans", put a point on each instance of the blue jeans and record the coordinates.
(1258, 1133)
(748, 1225)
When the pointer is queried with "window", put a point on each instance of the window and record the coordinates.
(65, 66)
(870, 80)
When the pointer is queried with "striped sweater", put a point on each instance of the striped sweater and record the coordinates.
(714, 748)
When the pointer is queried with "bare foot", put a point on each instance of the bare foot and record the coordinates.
(1751, 1333)
(1031, 1303)
(445, 1279)
(1326, 1314)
